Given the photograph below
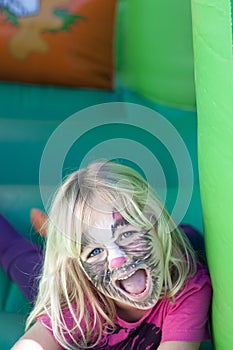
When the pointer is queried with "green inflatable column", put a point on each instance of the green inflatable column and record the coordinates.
(213, 61)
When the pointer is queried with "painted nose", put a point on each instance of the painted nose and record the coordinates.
(116, 263)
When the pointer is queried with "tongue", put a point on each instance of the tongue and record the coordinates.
(135, 284)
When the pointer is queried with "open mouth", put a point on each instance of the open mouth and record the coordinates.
(135, 285)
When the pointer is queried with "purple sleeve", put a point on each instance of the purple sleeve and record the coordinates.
(187, 318)
(20, 259)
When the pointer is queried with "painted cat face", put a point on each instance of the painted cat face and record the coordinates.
(122, 261)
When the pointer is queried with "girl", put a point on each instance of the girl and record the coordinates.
(117, 273)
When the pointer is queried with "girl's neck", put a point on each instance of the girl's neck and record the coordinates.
(128, 313)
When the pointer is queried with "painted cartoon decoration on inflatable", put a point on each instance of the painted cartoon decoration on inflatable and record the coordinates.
(40, 38)
(44, 17)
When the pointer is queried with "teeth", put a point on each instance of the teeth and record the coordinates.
(125, 277)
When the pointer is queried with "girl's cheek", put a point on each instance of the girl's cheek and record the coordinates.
(137, 247)
(95, 271)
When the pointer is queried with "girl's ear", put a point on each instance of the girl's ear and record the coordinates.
(39, 221)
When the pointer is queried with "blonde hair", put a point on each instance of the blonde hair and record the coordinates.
(63, 284)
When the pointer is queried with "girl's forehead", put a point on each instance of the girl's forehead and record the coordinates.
(102, 224)
(101, 212)
(99, 217)
(99, 228)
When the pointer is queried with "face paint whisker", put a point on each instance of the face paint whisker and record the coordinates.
(107, 279)
(137, 261)
(108, 283)
(107, 274)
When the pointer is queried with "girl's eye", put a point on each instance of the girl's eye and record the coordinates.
(95, 252)
(126, 234)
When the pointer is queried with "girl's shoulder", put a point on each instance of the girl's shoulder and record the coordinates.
(197, 292)
(186, 316)
(199, 281)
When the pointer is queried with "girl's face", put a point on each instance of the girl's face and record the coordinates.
(122, 261)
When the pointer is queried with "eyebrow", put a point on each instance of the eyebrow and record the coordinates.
(117, 223)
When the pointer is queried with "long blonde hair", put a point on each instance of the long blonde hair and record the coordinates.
(63, 284)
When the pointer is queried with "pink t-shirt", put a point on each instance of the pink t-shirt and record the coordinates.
(185, 320)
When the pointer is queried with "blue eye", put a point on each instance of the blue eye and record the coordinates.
(126, 234)
(95, 252)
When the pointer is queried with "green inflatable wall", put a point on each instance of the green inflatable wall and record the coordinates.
(212, 34)
(162, 69)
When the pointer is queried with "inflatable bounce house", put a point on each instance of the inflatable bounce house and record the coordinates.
(172, 58)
